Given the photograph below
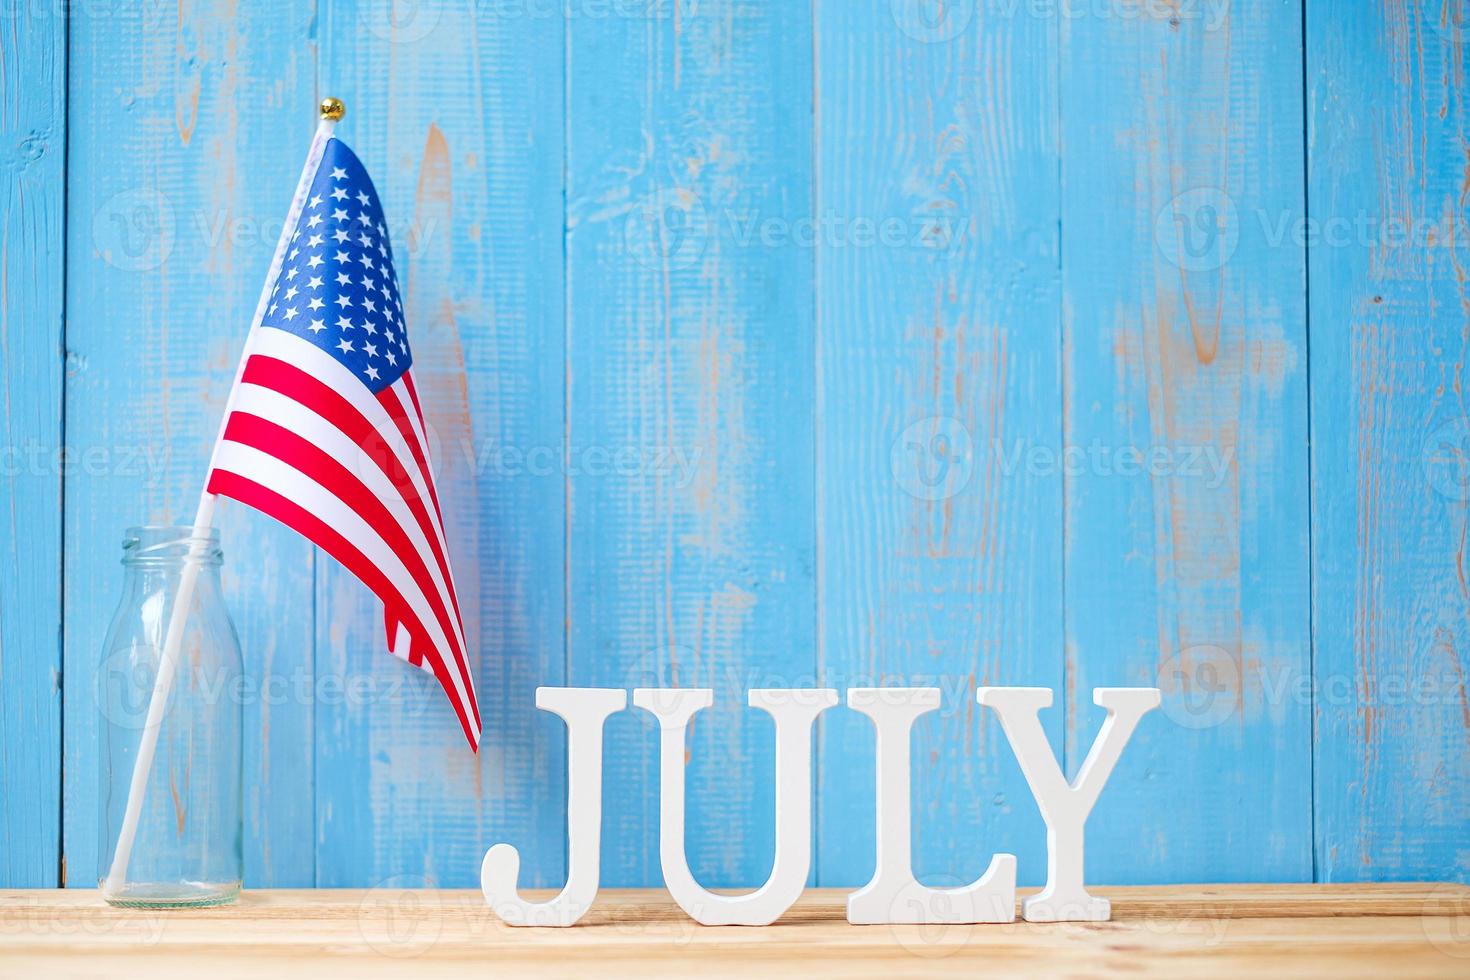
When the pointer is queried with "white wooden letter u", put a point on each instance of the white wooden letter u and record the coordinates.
(794, 712)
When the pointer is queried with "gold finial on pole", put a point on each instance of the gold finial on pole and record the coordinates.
(333, 109)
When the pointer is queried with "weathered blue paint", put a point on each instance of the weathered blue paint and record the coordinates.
(938, 360)
(472, 190)
(1390, 310)
(1185, 416)
(32, 182)
(180, 175)
(802, 343)
(690, 554)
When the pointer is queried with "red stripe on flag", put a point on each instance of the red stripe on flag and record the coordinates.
(413, 396)
(394, 407)
(390, 626)
(303, 522)
(391, 403)
(308, 458)
(296, 384)
(396, 411)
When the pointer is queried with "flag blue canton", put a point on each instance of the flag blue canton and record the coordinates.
(336, 287)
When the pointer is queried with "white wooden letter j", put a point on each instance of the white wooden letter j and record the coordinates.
(585, 710)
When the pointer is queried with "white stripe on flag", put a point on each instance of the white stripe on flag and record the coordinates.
(290, 414)
(291, 483)
(324, 367)
(298, 351)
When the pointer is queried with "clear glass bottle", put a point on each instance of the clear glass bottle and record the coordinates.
(187, 848)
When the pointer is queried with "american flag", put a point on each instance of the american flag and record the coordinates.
(324, 430)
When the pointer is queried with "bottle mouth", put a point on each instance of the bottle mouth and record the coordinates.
(171, 544)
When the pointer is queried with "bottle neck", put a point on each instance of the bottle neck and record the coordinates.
(168, 545)
(151, 576)
(155, 557)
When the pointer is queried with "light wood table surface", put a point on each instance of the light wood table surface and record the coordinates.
(1382, 930)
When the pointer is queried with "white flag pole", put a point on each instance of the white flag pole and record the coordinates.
(331, 111)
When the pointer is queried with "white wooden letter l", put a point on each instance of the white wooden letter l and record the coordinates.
(894, 895)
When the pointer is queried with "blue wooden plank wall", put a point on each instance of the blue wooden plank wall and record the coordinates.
(32, 196)
(769, 344)
(1184, 331)
(690, 556)
(1389, 159)
(938, 354)
(175, 115)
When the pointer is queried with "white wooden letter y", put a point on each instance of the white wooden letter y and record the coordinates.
(1065, 807)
